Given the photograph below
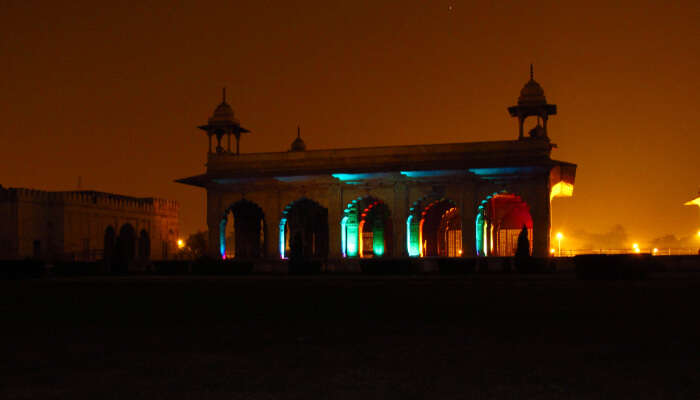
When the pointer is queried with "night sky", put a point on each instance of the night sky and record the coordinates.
(114, 93)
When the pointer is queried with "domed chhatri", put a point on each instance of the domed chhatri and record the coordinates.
(221, 123)
(532, 92)
(298, 144)
(532, 102)
(223, 114)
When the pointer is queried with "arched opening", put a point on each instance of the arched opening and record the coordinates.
(144, 246)
(366, 228)
(499, 220)
(242, 231)
(434, 228)
(304, 230)
(125, 247)
(108, 249)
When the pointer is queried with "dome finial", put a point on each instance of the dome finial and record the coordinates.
(298, 143)
(532, 74)
(223, 94)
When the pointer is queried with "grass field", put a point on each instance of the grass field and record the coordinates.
(480, 336)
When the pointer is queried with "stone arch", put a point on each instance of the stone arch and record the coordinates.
(109, 243)
(144, 245)
(434, 228)
(304, 229)
(242, 231)
(499, 220)
(125, 248)
(366, 228)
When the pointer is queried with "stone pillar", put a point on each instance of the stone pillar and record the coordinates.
(335, 214)
(540, 204)
(467, 211)
(272, 210)
(214, 214)
(521, 121)
(399, 215)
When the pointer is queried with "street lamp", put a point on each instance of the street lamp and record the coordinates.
(559, 238)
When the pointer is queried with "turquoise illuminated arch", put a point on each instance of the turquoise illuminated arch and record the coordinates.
(415, 219)
(283, 224)
(233, 209)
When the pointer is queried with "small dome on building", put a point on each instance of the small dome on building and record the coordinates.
(298, 144)
(532, 93)
(223, 115)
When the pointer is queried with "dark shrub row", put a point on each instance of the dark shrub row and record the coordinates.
(206, 266)
(78, 268)
(456, 266)
(21, 269)
(613, 267)
(389, 266)
(297, 267)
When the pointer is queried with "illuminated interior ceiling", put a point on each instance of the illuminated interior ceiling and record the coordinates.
(358, 178)
(694, 202)
(562, 189)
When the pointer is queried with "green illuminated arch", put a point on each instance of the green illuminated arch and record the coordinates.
(366, 229)
(442, 236)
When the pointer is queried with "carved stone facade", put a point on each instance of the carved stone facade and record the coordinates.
(449, 200)
(86, 226)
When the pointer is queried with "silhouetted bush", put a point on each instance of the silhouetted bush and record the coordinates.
(76, 268)
(614, 267)
(172, 267)
(533, 265)
(21, 269)
(482, 264)
(507, 264)
(208, 266)
(455, 266)
(389, 266)
(304, 266)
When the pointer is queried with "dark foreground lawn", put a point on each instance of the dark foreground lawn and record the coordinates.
(481, 337)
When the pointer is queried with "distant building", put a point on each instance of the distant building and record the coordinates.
(443, 200)
(86, 226)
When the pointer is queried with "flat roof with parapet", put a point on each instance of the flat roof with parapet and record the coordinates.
(428, 157)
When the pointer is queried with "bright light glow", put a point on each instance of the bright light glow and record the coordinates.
(655, 251)
(551, 251)
(635, 246)
(378, 240)
(479, 234)
(698, 233)
(421, 250)
(412, 237)
(283, 243)
(222, 238)
(180, 243)
(560, 236)
(344, 236)
(359, 235)
(561, 189)
(694, 202)
(459, 252)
